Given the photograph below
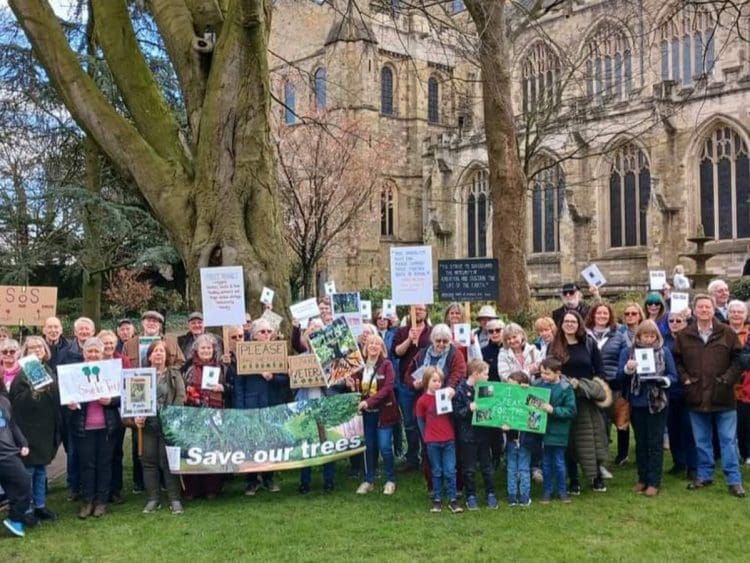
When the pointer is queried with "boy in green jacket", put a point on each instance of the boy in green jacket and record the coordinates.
(561, 410)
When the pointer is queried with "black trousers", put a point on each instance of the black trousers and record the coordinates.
(473, 452)
(138, 481)
(649, 444)
(115, 486)
(743, 429)
(15, 481)
(95, 456)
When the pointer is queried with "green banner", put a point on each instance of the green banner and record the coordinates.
(514, 406)
(203, 440)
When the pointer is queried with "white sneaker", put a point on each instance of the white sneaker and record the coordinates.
(536, 475)
(604, 472)
(365, 488)
(389, 488)
(747, 461)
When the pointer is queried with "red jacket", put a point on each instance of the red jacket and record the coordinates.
(455, 368)
(384, 399)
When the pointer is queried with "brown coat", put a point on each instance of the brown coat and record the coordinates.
(708, 371)
(175, 358)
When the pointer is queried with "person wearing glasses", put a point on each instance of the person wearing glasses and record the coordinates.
(737, 315)
(582, 365)
(490, 352)
(572, 301)
(655, 308)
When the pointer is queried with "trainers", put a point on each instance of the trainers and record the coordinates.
(303, 488)
(471, 503)
(492, 501)
(598, 486)
(512, 501)
(151, 507)
(537, 475)
(546, 499)
(574, 489)
(437, 506)
(565, 499)
(454, 507)
(621, 460)
(176, 507)
(525, 503)
(604, 472)
(365, 488)
(389, 488)
(271, 487)
(251, 489)
(45, 513)
(138, 490)
(14, 527)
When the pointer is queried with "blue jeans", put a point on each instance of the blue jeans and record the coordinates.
(329, 471)
(378, 440)
(406, 399)
(519, 472)
(443, 464)
(553, 467)
(726, 425)
(38, 474)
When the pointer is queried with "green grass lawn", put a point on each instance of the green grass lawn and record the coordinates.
(706, 525)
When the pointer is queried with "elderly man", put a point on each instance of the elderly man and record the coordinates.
(572, 301)
(53, 336)
(707, 354)
(152, 323)
(125, 331)
(719, 292)
(195, 329)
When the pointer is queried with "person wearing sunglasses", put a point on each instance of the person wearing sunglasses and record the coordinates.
(655, 308)
(490, 352)
(572, 301)
(632, 316)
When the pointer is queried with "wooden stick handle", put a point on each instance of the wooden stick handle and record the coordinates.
(140, 441)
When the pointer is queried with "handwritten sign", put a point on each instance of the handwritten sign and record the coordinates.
(411, 275)
(505, 404)
(261, 357)
(305, 371)
(26, 305)
(474, 279)
(223, 293)
(89, 381)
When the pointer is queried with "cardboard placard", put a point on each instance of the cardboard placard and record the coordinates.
(27, 305)
(411, 275)
(223, 293)
(260, 357)
(273, 319)
(305, 371)
(472, 279)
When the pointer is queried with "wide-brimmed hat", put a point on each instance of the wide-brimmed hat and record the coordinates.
(156, 315)
(487, 312)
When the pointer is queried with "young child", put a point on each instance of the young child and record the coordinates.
(13, 476)
(518, 453)
(438, 435)
(474, 440)
(561, 409)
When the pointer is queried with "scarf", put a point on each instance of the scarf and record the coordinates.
(197, 397)
(437, 360)
(10, 375)
(657, 396)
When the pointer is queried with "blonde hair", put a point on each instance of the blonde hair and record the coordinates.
(383, 354)
(33, 339)
(429, 372)
(649, 327)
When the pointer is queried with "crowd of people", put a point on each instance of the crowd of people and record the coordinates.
(696, 392)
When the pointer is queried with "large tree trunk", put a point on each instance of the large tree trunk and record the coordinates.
(91, 263)
(217, 196)
(506, 178)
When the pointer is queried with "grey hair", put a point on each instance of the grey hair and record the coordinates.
(441, 330)
(10, 344)
(737, 303)
(202, 339)
(93, 342)
(261, 323)
(714, 285)
(84, 320)
(514, 329)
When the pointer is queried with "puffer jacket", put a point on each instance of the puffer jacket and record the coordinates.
(588, 435)
(610, 346)
(708, 371)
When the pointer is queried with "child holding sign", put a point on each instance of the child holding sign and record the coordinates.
(438, 435)
(646, 371)
(561, 409)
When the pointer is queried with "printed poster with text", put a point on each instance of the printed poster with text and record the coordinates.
(223, 293)
(411, 275)
(506, 404)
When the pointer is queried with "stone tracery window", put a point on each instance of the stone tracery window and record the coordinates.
(540, 73)
(547, 198)
(686, 44)
(629, 196)
(477, 214)
(609, 66)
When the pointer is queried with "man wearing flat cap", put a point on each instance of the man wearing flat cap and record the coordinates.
(195, 329)
(152, 323)
(571, 298)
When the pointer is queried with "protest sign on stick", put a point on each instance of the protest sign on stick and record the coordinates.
(138, 396)
(26, 305)
(223, 294)
(261, 357)
(305, 371)
(411, 275)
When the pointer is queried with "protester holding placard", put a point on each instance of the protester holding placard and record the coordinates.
(152, 323)
(170, 390)
(645, 389)
(95, 425)
(572, 300)
(379, 413)
(582, 364)
(441, 353)
(454, 315)
(205, 354)
(195, 329)
(38, 416)
(517, 354)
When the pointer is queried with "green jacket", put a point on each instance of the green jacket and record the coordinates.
(563, 400)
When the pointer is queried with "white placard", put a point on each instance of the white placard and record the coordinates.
(210, 377)
(593, 276)
(89, 381)
(411, 275)
(679, 302)
(389, 309)
(365, 307)
(266, 296)
(644, 358)
(138, 396)
(443, 404)
(223, 293)
(462, 333)
(306, 309)
(330, 287)
(657, 279)
(173, 457)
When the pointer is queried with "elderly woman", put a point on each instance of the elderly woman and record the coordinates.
(257, 391)
(582, 364)
(490, 352)
(170, 390)
(37, 413)
(517, 354)
(737, 317)
(454, 315)
(205, 354)
(95, 425)
(441, 353)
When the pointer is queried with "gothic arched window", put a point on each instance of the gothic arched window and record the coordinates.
(433, 100)
(320, 89)
(290, 101)
(540, 78)
(477, 214)
(547, 198)
(387, 210)
(629, 195)
(386, 91)
(686, 45)
(609, 66)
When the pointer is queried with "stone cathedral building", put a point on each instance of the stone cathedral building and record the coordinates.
(634, 121)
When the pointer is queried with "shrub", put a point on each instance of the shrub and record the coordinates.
(126, 293)
(740, 288)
